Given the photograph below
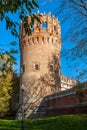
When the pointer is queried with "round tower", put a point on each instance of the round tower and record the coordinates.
(40, 61)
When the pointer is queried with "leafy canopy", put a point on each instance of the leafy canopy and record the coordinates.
(5, 93)
(74, 13)
(19, 7)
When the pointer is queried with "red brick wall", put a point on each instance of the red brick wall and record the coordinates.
(66, 100)
(70, 110)
(66, 103)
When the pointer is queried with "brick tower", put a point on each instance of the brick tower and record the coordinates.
(40, 62)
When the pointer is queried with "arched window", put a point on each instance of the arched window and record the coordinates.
(55, 28)
(32, 26)
(42, 39)
(33, 39)
(51, 67)
(52, 40)
(23, 68)
(48, 40)
(37, 39)
(44, 25)
(36, 66)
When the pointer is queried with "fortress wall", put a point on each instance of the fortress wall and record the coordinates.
(66, 102)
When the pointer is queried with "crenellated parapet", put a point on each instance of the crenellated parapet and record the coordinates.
(47, 31)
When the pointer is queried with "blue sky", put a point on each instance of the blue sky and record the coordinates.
(67, 66)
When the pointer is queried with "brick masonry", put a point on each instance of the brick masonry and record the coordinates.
(40, 62)
(66, 102)
(40, 69)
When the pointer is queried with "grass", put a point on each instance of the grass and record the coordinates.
(62, 122)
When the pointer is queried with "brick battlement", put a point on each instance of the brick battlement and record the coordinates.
(47, 31)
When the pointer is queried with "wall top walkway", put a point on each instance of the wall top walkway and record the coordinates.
(61, 94)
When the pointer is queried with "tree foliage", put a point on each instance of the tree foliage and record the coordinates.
(81, 89)
(5, 93)
(10, 83)
(7, 61)
(14, 100)
(74, 12)
(19, 7)
(9, 94)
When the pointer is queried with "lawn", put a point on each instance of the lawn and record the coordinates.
(61, 122)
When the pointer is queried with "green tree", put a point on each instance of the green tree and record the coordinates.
(7, 61)
(14, 100)
(5, 93)
(7, 10)
(19, 7)
(81, 89)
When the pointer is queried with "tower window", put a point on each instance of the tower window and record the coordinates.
(23, 68)
(36, 66)
(55, 28)
(47, 39)
(32, 39)
(42, 39)
(51, 67)
(37, 39)
(32, 26)
(44, 25)
(52, 40)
